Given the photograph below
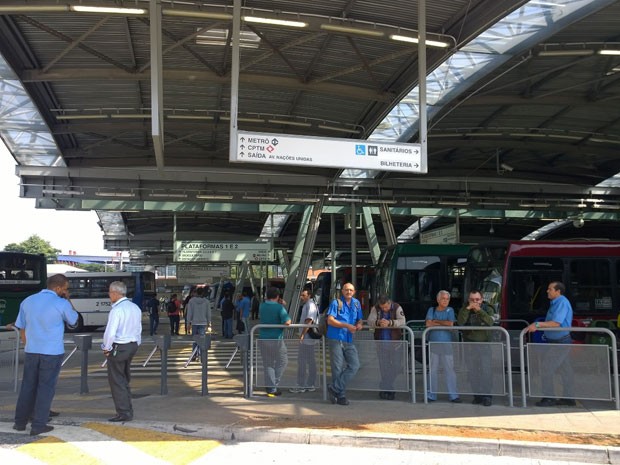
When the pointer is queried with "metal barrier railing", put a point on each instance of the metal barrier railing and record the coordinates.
(466, 328)
(9, 359)
(409, 372)
(613, 348)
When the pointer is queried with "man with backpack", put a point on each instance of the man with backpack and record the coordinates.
(173, 308)
(227, 309)
(344, 317)
(386, 317)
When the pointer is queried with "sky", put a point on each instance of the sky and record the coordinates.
(64, 230)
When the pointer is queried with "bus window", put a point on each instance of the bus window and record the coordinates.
(529, 279)
(590, 284)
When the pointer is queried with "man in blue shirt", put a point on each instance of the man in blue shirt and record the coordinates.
(273, 351)
(243, 308)
(122, 336)
(344, 317)
(556, 359)
(42, 316)
(441, 354)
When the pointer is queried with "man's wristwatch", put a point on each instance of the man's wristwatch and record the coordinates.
(537, 324)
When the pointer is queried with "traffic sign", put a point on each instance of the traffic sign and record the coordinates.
(285, 149)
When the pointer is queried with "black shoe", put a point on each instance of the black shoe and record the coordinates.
(342, 401)
(567, 402)
(477, 400)
(382, 395)
(456, 401)
(119, 418)
(17, 427)
(331, 395)
(54, 414)
(274, 393)
(390, 395)
(45, 429)
(487, 402)
(546, 402)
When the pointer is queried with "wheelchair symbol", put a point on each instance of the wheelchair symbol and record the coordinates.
(360, 150)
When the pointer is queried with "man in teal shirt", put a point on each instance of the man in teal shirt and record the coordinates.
(272, 348)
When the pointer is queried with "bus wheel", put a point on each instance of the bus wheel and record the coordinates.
(79, 326)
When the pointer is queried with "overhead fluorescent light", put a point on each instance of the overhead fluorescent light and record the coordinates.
(79, 117)
(131, 115)
(417, 202)
(344, 199)
(593, 200)
(107, 10)
(244, 120)
(493, 203)
(61, 192)
(533, 205)
(290, 123)
(274, 21)
(115, 194)
(415, 40)
(214, 197)
(352, 30)
(174, 195)
(301, 200)
(380, 201)
(604, 141)
(456, 203)
(197, 14)
(337, 129)
(572, 205)
(15, 9)
(608, 51)
(580, 52)
(191, 117)
(259, 197)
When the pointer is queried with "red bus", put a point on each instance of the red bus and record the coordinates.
(589, 270)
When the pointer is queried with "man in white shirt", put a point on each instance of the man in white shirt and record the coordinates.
(120, 343)
(307, 356)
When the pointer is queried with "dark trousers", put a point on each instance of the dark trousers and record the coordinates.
(154, 324)
(175, 320)
(119, 376)
(37, 389)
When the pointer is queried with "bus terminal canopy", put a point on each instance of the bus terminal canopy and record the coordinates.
(127, 111)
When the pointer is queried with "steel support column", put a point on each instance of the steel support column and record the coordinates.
(388, 225)
(371, 235)
(302, 256)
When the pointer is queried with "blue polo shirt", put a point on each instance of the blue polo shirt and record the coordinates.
(561, 312)
(349, 313)
(43, 316)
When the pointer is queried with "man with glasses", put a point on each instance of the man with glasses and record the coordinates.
(120, 343)
(344, 317)
(479, 355)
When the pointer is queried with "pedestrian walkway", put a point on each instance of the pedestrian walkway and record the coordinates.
(589, 432)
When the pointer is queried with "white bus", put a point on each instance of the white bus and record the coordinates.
(89, 294)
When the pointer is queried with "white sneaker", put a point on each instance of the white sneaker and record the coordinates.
(296, 390)
(310, 389)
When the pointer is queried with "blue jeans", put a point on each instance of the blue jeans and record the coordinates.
(227, 325)
(154, 324)
(344, 362)
(198, 330)
(275, 359)
(37, 389)
(307, 363)
(557, 361)
(443, 356)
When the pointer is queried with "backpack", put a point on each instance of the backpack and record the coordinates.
(321, 331)
(171, 307)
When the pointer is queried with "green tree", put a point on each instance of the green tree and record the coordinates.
(92, 267)
(34, 244)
